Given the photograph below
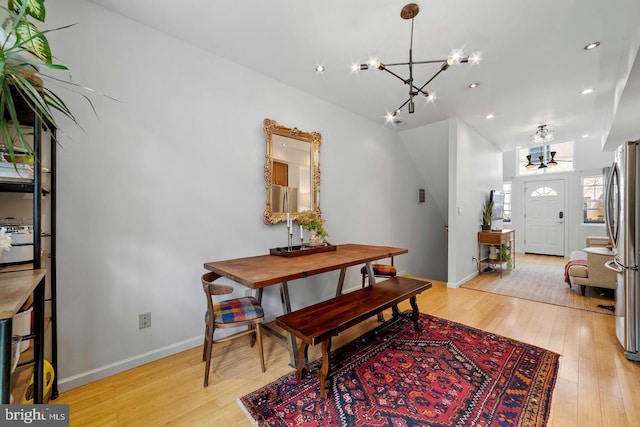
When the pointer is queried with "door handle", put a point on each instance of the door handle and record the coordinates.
(614, 266)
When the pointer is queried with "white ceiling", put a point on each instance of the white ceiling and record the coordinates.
(533, 69)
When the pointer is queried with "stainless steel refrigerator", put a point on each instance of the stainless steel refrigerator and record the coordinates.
(284, 199)
(623, 226)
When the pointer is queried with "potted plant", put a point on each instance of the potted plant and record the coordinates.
(487, 210)
(312, 222)
(505, 255)
(24, 52)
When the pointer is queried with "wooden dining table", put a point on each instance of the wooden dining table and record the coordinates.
(259, 272)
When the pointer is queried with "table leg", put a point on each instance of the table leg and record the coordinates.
(291, 339)
(343, 274)
(372, 281)
(5, 359)
(513, 248)
(372, 277)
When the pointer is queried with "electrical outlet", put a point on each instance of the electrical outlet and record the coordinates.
(144, 320)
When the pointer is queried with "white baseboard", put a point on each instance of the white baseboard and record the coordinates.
(87, 377)
(462, 282)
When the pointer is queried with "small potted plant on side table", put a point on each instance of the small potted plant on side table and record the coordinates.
(487, 210)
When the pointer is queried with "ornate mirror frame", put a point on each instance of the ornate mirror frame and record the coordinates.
(271, 128)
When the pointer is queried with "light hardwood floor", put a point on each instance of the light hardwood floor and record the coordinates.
(596, 386)
(541, 278)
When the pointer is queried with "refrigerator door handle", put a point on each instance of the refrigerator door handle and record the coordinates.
(619, 267)
(614, 266)
(609, 209)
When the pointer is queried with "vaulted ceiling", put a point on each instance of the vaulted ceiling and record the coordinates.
(533, 70)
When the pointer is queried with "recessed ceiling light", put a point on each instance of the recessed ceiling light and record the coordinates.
(592, 45)
(320, 68)
(490, 116)
(586, 135)
(473, 85)
(587, 91)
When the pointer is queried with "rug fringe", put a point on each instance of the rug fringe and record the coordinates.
(246, 412)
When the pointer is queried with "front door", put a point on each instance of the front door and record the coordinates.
(544, 217)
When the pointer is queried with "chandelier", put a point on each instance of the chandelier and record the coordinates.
(543, 134)
(410, 11)
(552, 162)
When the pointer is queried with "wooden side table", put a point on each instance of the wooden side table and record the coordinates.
(496, 237)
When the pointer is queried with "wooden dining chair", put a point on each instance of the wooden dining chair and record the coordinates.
(230, 313)
(379, 270)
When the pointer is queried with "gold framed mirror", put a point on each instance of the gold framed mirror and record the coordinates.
(291, 172)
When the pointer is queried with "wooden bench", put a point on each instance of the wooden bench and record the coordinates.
(319, 322)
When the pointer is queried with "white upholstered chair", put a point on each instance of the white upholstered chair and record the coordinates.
(586, 268)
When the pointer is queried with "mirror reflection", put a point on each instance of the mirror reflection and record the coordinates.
(292, 172)
(291, 186)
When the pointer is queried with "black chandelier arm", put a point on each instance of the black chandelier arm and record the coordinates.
(434, 61)
(431, 61)
(405, 103)
(433, 77)
(384, 68)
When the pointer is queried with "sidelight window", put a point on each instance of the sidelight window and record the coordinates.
(593, 199)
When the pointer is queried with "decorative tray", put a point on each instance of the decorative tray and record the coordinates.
(301, 250)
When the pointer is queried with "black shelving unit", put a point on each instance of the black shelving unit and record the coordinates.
(36, 187)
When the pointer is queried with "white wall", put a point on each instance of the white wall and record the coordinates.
(459, 168)
(429, 150)
(474, 170)
(170, 176)
(589, 160)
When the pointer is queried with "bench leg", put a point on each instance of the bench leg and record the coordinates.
(326, 367)
(396, 312)
(302, 359)
(415, 315)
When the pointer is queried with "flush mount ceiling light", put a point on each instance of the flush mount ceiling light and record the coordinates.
(543, 134)
(587, 91)
(410, 11)
(473, 85)
(592, 45)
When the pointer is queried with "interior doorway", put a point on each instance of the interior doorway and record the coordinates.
(544, 217)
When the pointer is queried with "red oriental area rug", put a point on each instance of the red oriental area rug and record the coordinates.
(448, 374)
